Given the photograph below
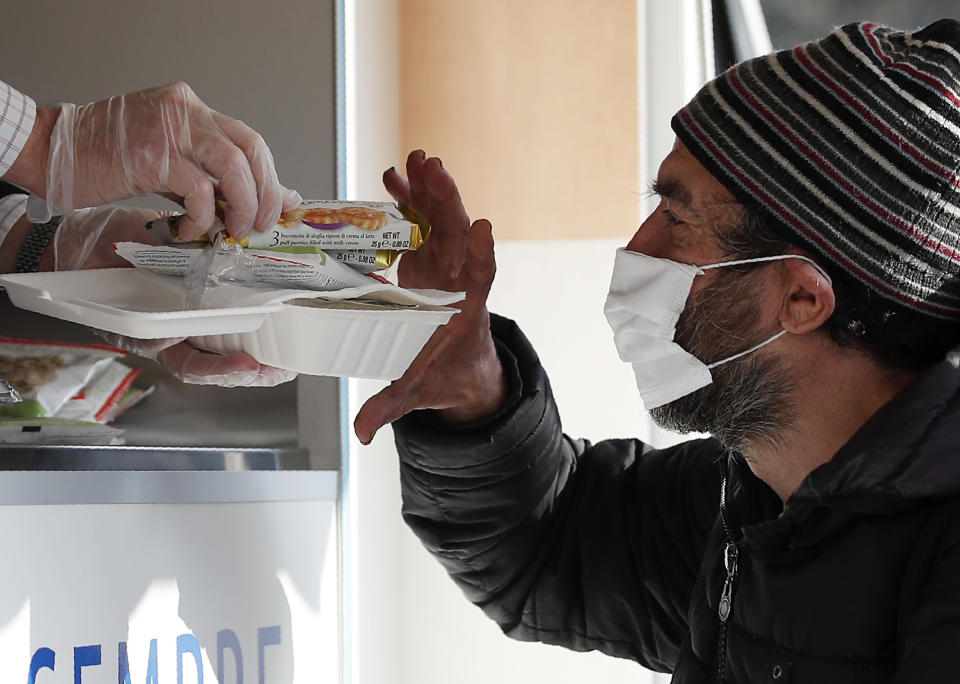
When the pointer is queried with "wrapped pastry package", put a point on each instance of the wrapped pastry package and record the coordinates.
(324, 224)
(310, 269)
(366, 260)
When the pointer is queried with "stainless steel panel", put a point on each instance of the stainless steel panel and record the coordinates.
(149, 458)
(126, 487)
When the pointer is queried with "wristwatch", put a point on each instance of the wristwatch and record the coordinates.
(33, 246)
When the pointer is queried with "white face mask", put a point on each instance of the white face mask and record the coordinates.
(647, 295)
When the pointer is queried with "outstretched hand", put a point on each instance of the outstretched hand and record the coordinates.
(457, 371)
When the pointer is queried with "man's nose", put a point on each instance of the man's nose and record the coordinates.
(648, 239)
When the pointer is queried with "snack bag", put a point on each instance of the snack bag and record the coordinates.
(307, 268)
(366, 260)
(133, 396)
(96, 401)
(47, 374)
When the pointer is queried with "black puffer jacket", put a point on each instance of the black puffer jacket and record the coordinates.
(617, 547)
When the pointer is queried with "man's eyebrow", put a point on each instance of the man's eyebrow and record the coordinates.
(675, 191)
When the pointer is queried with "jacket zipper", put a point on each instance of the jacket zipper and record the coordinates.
(730, 555)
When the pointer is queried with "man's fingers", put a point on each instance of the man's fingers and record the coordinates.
(448, 219)
(419, 197)
(482, 263)
(390, 404)
(396, 185)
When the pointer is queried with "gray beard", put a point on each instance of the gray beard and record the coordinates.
(748, 402)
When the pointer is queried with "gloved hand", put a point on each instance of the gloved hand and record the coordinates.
(85, 237)
(198, 367)
(165, 140)
(85, 240)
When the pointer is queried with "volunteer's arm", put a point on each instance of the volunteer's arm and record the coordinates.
(29, 168)
(160, 140)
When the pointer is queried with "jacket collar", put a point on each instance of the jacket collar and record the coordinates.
(906, 453)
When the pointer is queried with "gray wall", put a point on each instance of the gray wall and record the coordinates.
(270, 64)
(791, 22)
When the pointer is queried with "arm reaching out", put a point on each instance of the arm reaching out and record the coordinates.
(161, 140)
(458, 371)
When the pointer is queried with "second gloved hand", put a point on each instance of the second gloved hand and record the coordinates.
(198, 367)
(85, 241)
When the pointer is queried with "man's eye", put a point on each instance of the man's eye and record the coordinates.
(671, 219)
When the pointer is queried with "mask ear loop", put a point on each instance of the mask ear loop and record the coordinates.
(778, 257)
(738, 262)
(747, 351)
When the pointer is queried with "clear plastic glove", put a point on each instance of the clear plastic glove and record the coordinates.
(235, 369)
(85, 240)
(85, 237)
(165, 140)
(198, 367)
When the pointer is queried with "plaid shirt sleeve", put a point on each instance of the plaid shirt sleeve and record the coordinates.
(17, 114)
(12, 208)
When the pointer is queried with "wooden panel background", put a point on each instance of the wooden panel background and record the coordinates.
(533, 106)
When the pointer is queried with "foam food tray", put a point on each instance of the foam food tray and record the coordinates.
(316, 333)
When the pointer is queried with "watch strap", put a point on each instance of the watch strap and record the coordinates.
(34, 245)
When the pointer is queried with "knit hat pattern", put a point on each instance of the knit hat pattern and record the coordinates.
(852, 144)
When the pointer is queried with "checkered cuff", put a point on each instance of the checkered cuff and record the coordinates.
(12, 207)
(17, 114)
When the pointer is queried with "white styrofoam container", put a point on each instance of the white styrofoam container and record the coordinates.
(323, 338)
(336, 342)
(127, 301)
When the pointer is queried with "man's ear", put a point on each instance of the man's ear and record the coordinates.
(808, 299)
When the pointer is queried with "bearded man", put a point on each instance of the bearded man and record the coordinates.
(795, 294)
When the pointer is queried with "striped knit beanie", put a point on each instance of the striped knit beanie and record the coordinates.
(852, 144)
